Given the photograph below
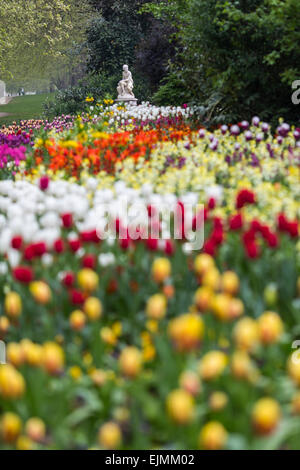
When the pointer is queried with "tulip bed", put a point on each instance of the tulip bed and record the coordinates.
(144, 342)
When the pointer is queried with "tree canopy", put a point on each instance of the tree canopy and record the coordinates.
(37, 35)
(237, 58)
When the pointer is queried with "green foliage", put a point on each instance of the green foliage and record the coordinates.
(125, 33)
(237, 58)
(36, 36)
(171, 92)
(111, 43)
(99, 86)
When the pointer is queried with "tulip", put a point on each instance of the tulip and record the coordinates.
(212, 365)
(40, 291)
(213, 436)
(241, 365)
(110, 436)
(23, 274)
(12, 384)
(130, 361)
(10, 427)
(203, 298)
(156, 307)
(75, 372)
(266, 415)
(270, 327)
(220, 306)
(186, 331)
(4, 325)
(15, 354)
(180, 406)
(169, 291)
(108, 336)
(203, 263)
(235, 309)
(99, 377)
(33, 354)
(211, 279)
(44, 183)
(53, 358)
(230, 283)
(77, 320)
(161, 269)
(24, 443)
(190, 382)
(218, 401)
(88, 279)
(35, 429)
(246, 334)
(13, 304)
(92, 307)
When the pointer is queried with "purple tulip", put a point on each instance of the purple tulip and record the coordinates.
(265, 127)
(255, 121)
(297, 134)
(283, 130)
(259, 137)
(244, 125)
(235, 130)
(214, 145)
(248, 135)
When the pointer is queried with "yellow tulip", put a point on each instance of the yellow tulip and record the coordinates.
(156, 307)
(110, 436)
(13, 304)
(93, 308)
(266, 415)
(88, 279)
(212, 365)
(213, 436)
(180, 406)
(130, 361)
(186, 331)
(10, 427)
(40, 291)
(270, 327)
(161, 269)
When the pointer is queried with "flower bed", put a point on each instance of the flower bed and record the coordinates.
(142, 341)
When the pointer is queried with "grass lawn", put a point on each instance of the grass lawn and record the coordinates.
(23, 107)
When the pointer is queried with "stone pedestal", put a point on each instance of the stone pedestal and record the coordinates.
(127, 100)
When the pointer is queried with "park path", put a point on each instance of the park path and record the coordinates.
(7, 100)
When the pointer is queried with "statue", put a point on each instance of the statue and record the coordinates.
(125, 87)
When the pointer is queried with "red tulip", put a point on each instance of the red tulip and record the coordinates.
(23, 274)
(67, 220)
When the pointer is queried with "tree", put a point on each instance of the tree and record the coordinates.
(123, 32)
(237, 58)
(36, 35)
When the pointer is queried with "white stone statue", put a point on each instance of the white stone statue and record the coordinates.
(125, 87)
